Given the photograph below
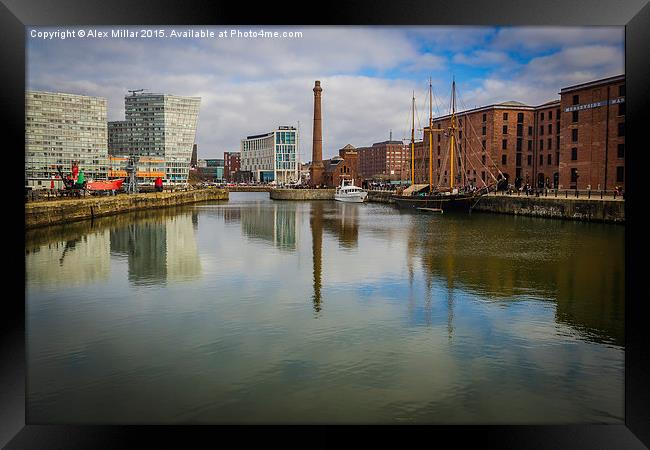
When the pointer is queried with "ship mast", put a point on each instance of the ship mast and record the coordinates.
(413, 140)
(452, 135)
(430, 140)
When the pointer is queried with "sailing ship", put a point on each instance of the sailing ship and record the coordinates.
(459, 194)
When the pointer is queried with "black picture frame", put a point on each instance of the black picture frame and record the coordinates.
(633, 14)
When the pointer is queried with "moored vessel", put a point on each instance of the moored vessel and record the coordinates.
(350, 193)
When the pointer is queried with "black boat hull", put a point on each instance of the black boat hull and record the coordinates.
(461, 203)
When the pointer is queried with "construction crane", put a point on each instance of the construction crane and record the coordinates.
(133, 91)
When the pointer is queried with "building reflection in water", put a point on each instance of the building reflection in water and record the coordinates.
(159, 246)
(273, 223)
(69, 259)
(522, 263)
(341, 220)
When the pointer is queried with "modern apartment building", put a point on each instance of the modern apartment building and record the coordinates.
(271, 156)
(60, 129)
(160, 126)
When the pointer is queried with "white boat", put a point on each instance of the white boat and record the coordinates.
(350, 193)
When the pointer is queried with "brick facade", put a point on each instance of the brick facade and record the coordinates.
(387, 160)
(593, 135)
(534, 144)
(343, 166)
(231, 165)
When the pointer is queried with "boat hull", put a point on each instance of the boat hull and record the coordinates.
(112, 185)
(351, 199)
(461, 203)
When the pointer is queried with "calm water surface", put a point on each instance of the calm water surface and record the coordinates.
(252, 311)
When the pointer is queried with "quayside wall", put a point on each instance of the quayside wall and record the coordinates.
(302, 194)
(589, 210)
(51, 212)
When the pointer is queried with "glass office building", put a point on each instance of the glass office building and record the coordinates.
(271, 156)
(158, 125)
(61, 129)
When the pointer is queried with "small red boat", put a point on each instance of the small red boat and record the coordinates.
(111, 185)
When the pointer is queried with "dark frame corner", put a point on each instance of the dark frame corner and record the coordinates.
(633, 14)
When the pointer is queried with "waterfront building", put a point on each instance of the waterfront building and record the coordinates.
(383, 160)
(592, 153)
(60, 129)
(577, 141)
(231, 164)
(211, 169)
(493, 140)
(271, 156)
(344, 166)
(158, 125)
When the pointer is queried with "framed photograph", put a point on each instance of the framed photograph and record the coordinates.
(424, 215)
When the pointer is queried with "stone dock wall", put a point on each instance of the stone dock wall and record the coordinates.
(51, 212)
(583, 208)
(590, 210)
(302, 194)
(380, 196)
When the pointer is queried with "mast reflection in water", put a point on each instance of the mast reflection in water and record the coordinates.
(254, 311)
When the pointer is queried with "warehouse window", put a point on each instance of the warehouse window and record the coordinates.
(505, 129)
(541, 118)
(574, 116)
(504, 144)
(576, 99)
(504, 159)
(621, 90)
(530, 160)
(621, 129)
(484, 117)
(505, 116)
(574, 154)
(550, 160)
(620, 174)
(541, 160)
(574, 175)
(621, 151)
(574, 135)
(541, 144)
(520, 117)
(530, 131)
(530, 146)
(621, 109)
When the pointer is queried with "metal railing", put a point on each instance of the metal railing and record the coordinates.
(564, 193)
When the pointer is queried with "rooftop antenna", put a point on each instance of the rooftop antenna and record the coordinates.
(133, 91)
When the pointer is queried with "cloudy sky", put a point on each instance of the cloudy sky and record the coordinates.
(252, 85)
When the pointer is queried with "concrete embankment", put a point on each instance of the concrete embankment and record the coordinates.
(590, 210)
(302, 194)
(43, 213)
(380, 196)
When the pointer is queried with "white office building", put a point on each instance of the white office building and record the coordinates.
(271, 156)
(61, 129)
